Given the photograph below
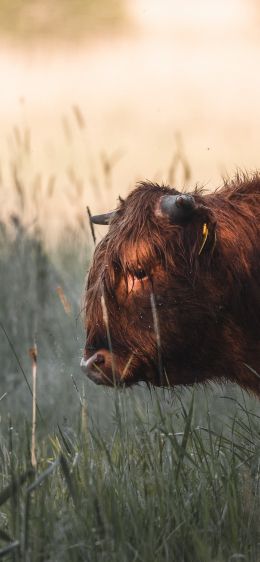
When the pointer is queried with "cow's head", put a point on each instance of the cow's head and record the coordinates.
(149, 299)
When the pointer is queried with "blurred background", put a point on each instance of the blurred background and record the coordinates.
(95, 95)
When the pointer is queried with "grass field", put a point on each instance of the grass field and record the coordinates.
(155, 486)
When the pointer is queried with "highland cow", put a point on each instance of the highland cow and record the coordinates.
(173, 293)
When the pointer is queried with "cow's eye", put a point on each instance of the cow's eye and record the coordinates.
(140, 274)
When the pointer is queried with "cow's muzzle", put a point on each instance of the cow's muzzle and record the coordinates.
(100, 368)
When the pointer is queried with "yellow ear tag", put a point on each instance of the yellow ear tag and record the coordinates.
(205, 232)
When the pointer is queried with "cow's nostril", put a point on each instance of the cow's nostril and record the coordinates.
(99, 358)
(95, 359)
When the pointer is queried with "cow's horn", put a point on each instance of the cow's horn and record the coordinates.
(179, 208)
(103, 219)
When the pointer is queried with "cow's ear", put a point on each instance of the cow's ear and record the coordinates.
(196, 219)
(199, 235)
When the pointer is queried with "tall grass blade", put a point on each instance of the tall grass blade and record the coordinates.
(185, 438)
(33, 355)
(65, 469)
(15, 485)
(10, 548)
(18, 362)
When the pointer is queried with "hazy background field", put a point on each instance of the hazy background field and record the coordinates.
(95, 95)
(142, 74)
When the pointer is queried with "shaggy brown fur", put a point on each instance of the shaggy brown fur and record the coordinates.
(205, 301)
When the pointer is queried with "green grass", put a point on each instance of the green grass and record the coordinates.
(156, 487)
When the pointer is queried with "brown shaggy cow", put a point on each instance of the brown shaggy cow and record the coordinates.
(173, 294)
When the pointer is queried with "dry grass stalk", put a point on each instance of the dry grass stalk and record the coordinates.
(108, 163)
(92, 230)
(64, 301)
(158, 338)
(79, 117)
(105, 319)
(179, 163)
(33, 355)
